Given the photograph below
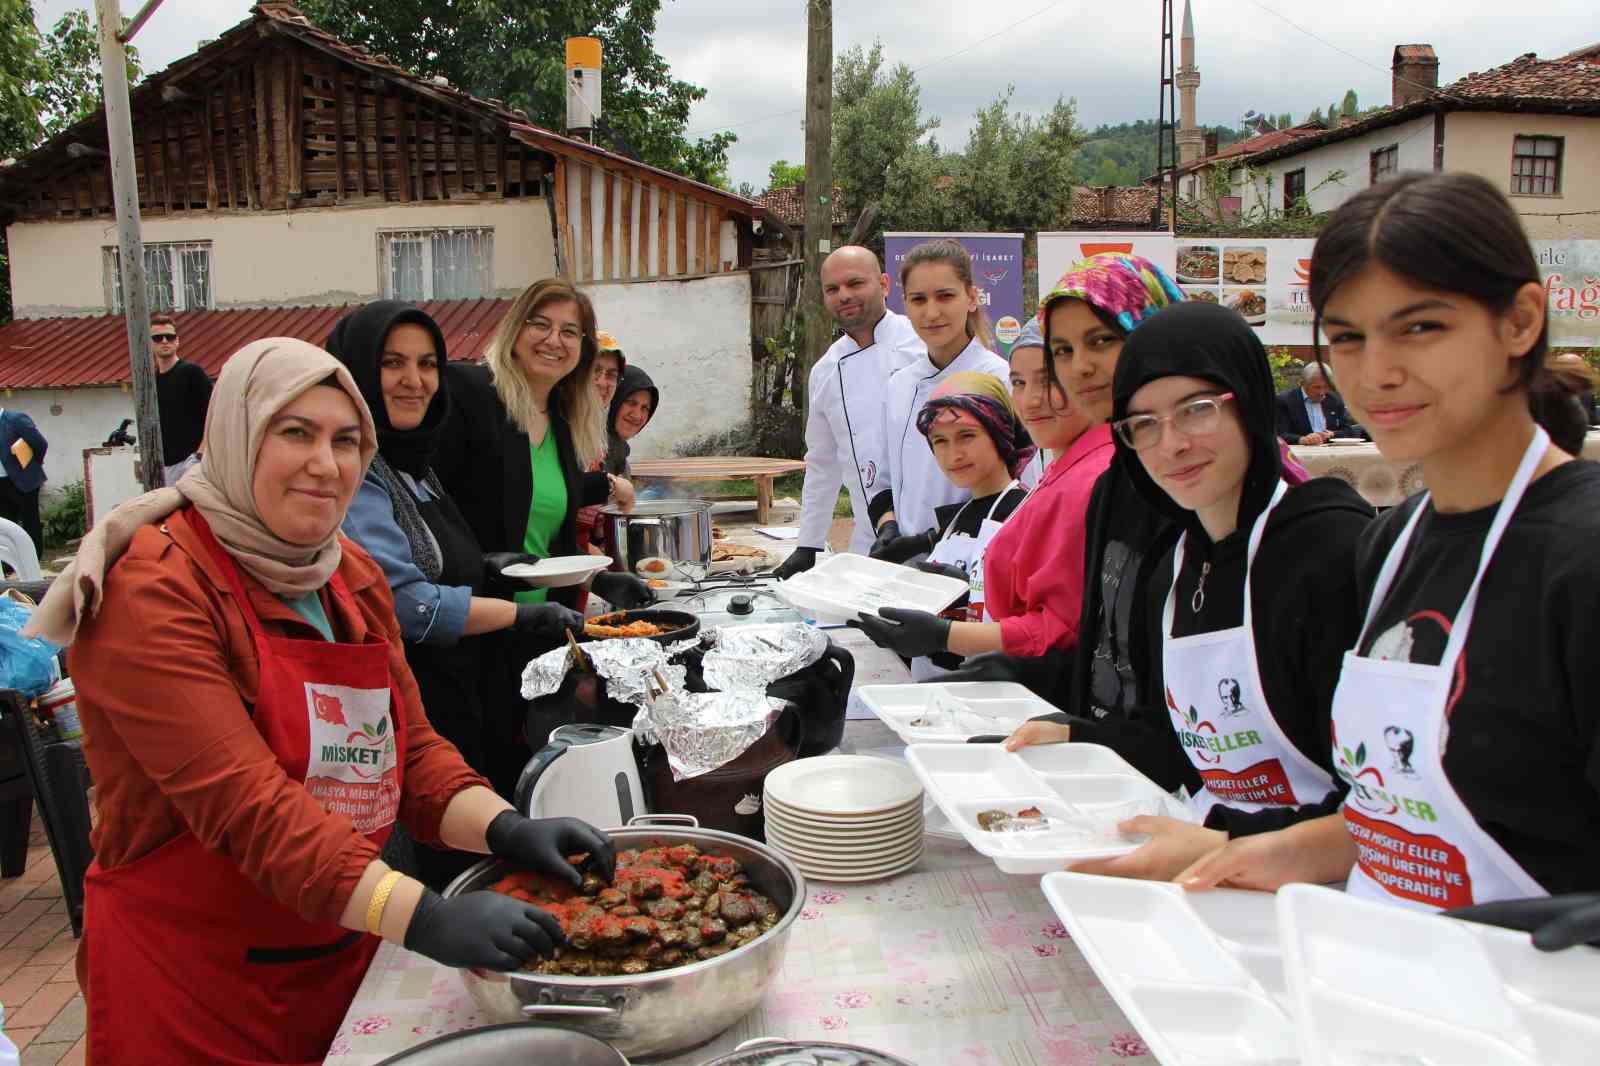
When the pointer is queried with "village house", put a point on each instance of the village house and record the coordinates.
(284, 175)
(1532, 127)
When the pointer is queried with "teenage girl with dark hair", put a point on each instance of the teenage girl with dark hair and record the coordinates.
(1465, 718)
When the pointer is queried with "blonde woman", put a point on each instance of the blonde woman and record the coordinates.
(517, 454)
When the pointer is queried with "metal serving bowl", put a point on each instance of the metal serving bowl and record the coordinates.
(668, 539)
(667, 1011)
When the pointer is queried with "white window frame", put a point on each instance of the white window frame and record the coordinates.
(177, 269)
(424, 238)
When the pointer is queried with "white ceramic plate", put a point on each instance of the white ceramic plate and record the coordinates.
(822, 823)
(842, 876)
(844, 785)
(559, 571)
(870, 858)
(809, 832)
(801, 838)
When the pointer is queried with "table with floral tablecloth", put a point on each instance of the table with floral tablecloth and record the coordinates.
(954, 962)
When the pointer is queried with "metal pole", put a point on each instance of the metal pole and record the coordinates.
(136, 23)
(125, 193)
(819, 186)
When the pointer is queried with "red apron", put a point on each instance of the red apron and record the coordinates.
(188, 961)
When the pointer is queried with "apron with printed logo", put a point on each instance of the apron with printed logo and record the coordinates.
(189, 963)
(960, 550)
(1417, 844)
(1219, 710)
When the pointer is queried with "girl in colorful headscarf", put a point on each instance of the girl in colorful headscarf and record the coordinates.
(1025, 577)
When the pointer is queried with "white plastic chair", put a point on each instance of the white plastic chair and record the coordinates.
(17, 551)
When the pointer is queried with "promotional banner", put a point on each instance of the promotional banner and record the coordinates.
(996, 270)
(1267, 280)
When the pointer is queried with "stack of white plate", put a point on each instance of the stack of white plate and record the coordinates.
(845, 817)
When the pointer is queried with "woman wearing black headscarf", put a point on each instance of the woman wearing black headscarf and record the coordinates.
(1264, 604)
(429, 554)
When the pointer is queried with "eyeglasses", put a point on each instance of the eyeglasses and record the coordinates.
(571, 336)
(163, 338)
(607, 373)
(1193, 418)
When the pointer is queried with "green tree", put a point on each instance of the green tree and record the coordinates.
(21, 70)
(71, 55)
(1316, 115)
(513, 50)
(877, 119)
(1285, 121)
(1351, 106)
(783, 174)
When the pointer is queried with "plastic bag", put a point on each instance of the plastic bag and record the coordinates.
(28, 665)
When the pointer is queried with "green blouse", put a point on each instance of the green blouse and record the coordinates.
(546, 509)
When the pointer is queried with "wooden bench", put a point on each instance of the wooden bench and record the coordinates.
(721, 468)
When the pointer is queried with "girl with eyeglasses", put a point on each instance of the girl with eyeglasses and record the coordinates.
(1257, 600)
(517, 456)
(1465, 719)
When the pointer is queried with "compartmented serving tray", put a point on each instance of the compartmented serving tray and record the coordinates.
(952, 712)
(843, 586)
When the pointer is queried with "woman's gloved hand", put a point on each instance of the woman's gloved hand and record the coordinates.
(906, 632)
(622, 590)
(546, 619)
(886, 533)
(1556, 922)
(800, 560)
(943, 570)
(1044, 676)
(543, 844)
(901, 549)
(494, 562)
(482, 929)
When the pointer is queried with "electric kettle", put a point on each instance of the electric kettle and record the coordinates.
(585, 771)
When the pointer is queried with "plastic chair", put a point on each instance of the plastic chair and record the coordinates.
(17, 551)
(60, 785)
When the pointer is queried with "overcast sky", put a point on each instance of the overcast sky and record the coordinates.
(750, 54)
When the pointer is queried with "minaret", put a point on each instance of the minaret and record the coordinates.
(1191, 140)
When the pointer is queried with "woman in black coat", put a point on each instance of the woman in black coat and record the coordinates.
(524, 428)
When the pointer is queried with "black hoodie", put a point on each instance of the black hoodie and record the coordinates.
(633, 380)
(1303, 587)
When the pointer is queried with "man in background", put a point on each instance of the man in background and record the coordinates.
(22, 449)
(183, 393)
(845, 394)
(1313, 414)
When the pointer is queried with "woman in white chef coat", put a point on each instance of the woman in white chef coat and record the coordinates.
(1465, 719)
(942, 302)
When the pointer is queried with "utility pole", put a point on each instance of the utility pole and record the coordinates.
(130, 243)
(818, 186)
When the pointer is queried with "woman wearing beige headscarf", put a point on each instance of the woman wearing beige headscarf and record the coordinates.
(254, 735)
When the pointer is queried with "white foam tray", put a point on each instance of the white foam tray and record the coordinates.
(844, 586)
(995, 707)
(1084, 789)
(1315, 977)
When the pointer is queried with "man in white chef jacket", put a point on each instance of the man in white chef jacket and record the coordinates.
(844, 429)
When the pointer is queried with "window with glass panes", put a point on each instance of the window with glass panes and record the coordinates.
(1385, 163)
(1294, 190)
(437, 264)
(1536, 166)
(177, 277)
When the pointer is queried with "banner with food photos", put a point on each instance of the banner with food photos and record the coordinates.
(1268, 281)
(1264, 280)
(996, 272)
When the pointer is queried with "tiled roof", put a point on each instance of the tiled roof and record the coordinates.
(788, 203)
(1570, 84)
(1262, 142)
(1128, 204)
(61, 353)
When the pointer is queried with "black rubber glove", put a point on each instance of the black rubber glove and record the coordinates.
(482, 929)
(886, 532)
(943, 570)
(908, 633)
(546, 619)
(622, 590)
(1556, 922)
(543, 844)
(1045, 677)
(800, 560)
(494, 562)
(902, 549)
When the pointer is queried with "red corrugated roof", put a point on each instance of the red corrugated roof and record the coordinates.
(64, 353)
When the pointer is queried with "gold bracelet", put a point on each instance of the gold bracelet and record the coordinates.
(380, 899)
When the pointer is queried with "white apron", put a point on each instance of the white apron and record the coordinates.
(862, 380)
(1417, 843)
(958, 549)
(1219, 708)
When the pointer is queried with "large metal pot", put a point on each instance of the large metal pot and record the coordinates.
(676, 532)
(668, 1011)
